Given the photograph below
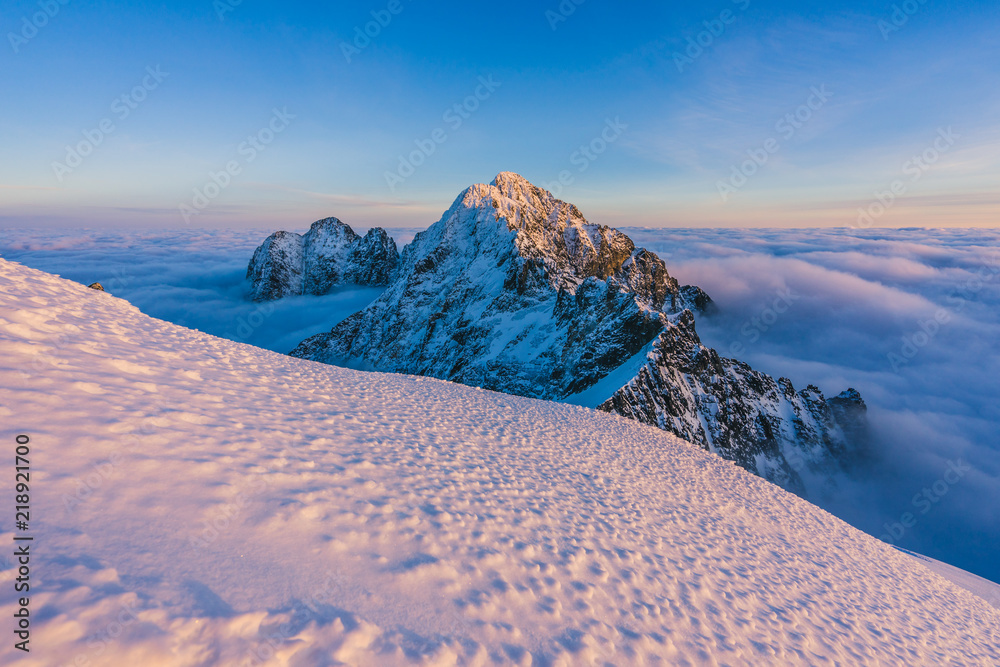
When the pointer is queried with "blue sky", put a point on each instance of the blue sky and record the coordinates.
(683, 123)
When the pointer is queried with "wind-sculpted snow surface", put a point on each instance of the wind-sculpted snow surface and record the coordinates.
(328, 255)
(514, 291)
(203, 502)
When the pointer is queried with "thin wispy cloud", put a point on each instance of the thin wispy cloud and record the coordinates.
(346, 199)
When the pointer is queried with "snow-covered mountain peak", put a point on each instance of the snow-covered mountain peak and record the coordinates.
(509, 181)
(514, 290)
(524, 193)
(331, 230)
(521, 205)
(328, 255)
(555, 239)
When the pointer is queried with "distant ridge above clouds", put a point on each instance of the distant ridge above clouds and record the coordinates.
(329, 255)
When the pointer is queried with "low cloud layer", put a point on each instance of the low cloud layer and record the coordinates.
(911, 318)
(195, 279)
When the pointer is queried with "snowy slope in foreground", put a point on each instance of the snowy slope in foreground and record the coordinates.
(239, 507)
(983, 588)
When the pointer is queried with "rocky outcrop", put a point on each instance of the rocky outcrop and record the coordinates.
(743, 415)
(695, 299)
(514, 291)
(328, 255)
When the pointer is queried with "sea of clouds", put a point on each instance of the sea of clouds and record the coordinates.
(911, 318)
(193, 278)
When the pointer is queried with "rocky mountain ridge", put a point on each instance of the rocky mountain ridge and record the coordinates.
(328, 255)
(514, 291)
(789, 437)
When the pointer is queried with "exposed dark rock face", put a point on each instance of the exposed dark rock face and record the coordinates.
(696, 299)
(851, 413)
(514, 291)
(741, 414)
(328, 255)
(276, 268)
(96, 286)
